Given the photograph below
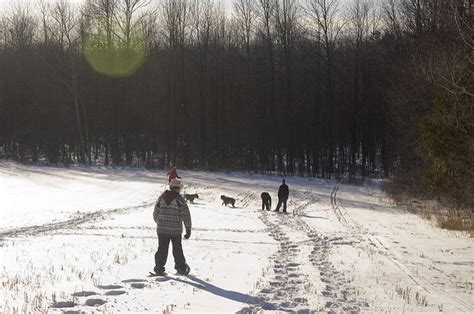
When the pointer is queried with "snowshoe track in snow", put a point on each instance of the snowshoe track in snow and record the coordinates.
(340, 294)
(366, 239)
(67, 224)
(338, 290)
(244, 199)
(310, 269)
(336, 208)
(287, 281)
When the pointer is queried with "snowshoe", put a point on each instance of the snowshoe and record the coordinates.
(158, 274)
(185, 271)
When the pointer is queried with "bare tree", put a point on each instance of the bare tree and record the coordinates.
(265, 88)
(266, 14)
(325, 16)
(245, 15)
(358, 24)
(127, 20)
(451, 71)
(244, 12)
(44, 16)
(175, 19)
(286, 27)
(21, 28)
(392, 18)
(64, 28)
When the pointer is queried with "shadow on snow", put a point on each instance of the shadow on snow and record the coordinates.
(228, 294)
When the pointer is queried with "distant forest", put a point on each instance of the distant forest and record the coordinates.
(324, 88)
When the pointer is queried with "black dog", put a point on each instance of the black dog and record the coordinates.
(266, 201)
(191, 197)
(227, 200)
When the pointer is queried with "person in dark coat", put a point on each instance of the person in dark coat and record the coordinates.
(266, 201)
(283, 194)
(171, 211)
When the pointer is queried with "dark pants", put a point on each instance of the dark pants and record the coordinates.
(162, 254)
(280, 202)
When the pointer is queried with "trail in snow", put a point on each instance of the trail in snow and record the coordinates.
(365, 238)
(340, 249)
(286, 289)
(68, 224)
(283, 289)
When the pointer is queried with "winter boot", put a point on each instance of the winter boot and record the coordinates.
(160, 272)
(184, 271)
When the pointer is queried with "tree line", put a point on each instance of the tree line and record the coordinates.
(326, 88)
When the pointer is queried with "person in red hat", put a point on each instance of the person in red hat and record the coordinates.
(173, 174)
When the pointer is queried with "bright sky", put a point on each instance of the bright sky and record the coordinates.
(4, 4)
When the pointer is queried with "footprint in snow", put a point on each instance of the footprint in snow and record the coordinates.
(285, 304)
(95, 302)
(327, 293)
(84, 294)
(331, 288)
(138, 285)
(114, 293)
(293, 264)
(62, 305)
(133, 280)
(110, 287)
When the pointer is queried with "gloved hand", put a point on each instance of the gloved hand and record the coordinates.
(188, 234)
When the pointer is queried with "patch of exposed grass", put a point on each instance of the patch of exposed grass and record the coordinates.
(442, 215)
(459, 220)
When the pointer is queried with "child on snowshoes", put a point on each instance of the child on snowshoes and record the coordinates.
(171, 211)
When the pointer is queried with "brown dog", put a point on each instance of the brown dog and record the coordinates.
(191, 197)
(227, 200)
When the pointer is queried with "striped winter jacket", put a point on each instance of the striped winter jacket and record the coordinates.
(171, 211)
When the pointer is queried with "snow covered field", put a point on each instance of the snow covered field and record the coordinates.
(80, 239)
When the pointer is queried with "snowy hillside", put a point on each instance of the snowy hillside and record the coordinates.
(84, 239)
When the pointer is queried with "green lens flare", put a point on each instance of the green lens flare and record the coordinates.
(115, 57)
